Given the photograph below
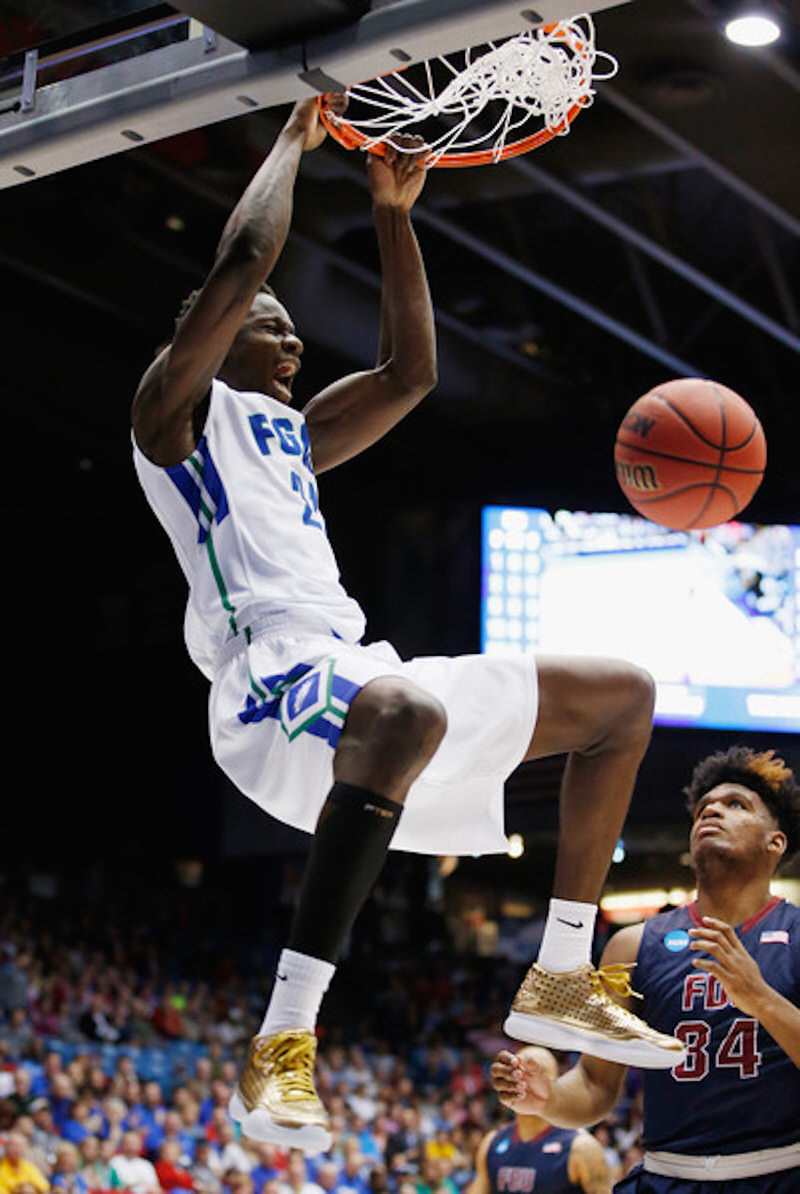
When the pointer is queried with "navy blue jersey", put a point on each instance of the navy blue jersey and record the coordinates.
(639, 1182)
(736, 1090)
(537, 1166)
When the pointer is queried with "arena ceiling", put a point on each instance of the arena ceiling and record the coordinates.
(660, 238)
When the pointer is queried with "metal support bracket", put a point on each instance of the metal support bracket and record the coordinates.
(196, 83)
(30, 68)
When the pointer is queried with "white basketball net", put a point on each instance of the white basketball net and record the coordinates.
(539, 74)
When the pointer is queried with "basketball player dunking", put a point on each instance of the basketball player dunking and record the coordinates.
(726, 1119)
(344, 740)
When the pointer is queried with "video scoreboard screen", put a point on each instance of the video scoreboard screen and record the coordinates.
(713, 615)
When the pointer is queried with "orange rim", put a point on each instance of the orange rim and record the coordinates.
(351, 138)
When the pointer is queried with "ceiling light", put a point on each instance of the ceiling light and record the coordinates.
(753, 29)
(516, 845)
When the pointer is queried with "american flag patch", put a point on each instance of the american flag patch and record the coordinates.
(774, 937)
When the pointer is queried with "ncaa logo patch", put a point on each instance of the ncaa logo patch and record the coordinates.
(676, 940)
(503, 1146)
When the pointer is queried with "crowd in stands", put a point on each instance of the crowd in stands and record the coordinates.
(116, 1069)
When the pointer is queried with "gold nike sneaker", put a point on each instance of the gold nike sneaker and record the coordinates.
(574, 1012)
(275, 1100)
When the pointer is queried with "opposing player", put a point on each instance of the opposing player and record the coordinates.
(531, 1155)
(327, 734)
(728, 1116)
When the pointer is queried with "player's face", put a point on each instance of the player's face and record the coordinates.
(733, 822)
(266, 352)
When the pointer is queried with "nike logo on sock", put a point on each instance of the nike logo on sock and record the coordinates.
(282, 977)
(573, 924)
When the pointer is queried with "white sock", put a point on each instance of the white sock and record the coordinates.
(300, 984)
(568, 935)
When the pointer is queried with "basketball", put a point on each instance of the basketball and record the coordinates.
(690, 454)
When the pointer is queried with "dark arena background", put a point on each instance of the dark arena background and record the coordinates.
(660, 239)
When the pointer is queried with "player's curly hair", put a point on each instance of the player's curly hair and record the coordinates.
(762, 772)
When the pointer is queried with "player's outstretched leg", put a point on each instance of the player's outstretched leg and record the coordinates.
(598, 712)
(391, 732)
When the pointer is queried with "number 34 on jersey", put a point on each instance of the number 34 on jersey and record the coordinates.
(737, 1050)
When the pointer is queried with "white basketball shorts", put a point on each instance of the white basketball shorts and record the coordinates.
(278, 706)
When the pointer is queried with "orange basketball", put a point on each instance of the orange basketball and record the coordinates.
(690, 454)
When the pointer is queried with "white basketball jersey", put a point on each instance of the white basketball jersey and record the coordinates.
(243, 517)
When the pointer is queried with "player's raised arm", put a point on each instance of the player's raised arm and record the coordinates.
(588, 1091)
(178, 381)
(353, 413)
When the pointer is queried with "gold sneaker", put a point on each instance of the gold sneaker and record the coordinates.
(276, 1100)
(574, 1012)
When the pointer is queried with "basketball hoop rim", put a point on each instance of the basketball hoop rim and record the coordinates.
(351, 138)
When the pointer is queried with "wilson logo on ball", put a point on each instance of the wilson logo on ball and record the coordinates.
(641, 477)
(638, 424)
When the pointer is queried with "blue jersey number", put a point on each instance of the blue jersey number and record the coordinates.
(308, 492)
(292, 446)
